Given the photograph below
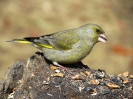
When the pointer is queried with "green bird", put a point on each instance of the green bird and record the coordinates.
(67, 46)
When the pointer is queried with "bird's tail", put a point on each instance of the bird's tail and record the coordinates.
(20, 41)
(30, 41)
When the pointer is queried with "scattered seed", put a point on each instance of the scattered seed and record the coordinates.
(125, 74)
(87, 73)
(95, 82)
(78, 77)
(58, 75)
(53, 67)
(113, 86)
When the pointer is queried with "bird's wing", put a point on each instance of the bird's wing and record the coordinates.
(37, 42)
(63, 40)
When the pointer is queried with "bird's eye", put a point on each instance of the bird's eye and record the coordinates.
(97, 30)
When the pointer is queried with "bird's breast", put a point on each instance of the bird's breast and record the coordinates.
(76, 54)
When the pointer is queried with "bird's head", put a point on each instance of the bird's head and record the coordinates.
(95, 33)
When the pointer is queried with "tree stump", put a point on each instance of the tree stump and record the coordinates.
(39, 79)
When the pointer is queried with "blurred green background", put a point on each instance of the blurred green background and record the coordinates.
(24, 18)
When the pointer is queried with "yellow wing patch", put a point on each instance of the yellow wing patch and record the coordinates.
(44, 45)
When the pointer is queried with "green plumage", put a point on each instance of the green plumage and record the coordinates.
(68, 46)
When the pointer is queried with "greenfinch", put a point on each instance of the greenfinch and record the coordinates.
(67, 46)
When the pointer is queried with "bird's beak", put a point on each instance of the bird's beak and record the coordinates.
(102, 38)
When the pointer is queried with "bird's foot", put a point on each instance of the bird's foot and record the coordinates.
(62, 67)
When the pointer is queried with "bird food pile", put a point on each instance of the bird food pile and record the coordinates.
(39, 79)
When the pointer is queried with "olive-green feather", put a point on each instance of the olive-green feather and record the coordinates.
(63, 40)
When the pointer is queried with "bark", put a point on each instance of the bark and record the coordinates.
(39, 79)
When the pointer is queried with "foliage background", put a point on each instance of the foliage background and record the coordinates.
(24, 18)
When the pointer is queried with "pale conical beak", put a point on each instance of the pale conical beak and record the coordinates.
(102, 38)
